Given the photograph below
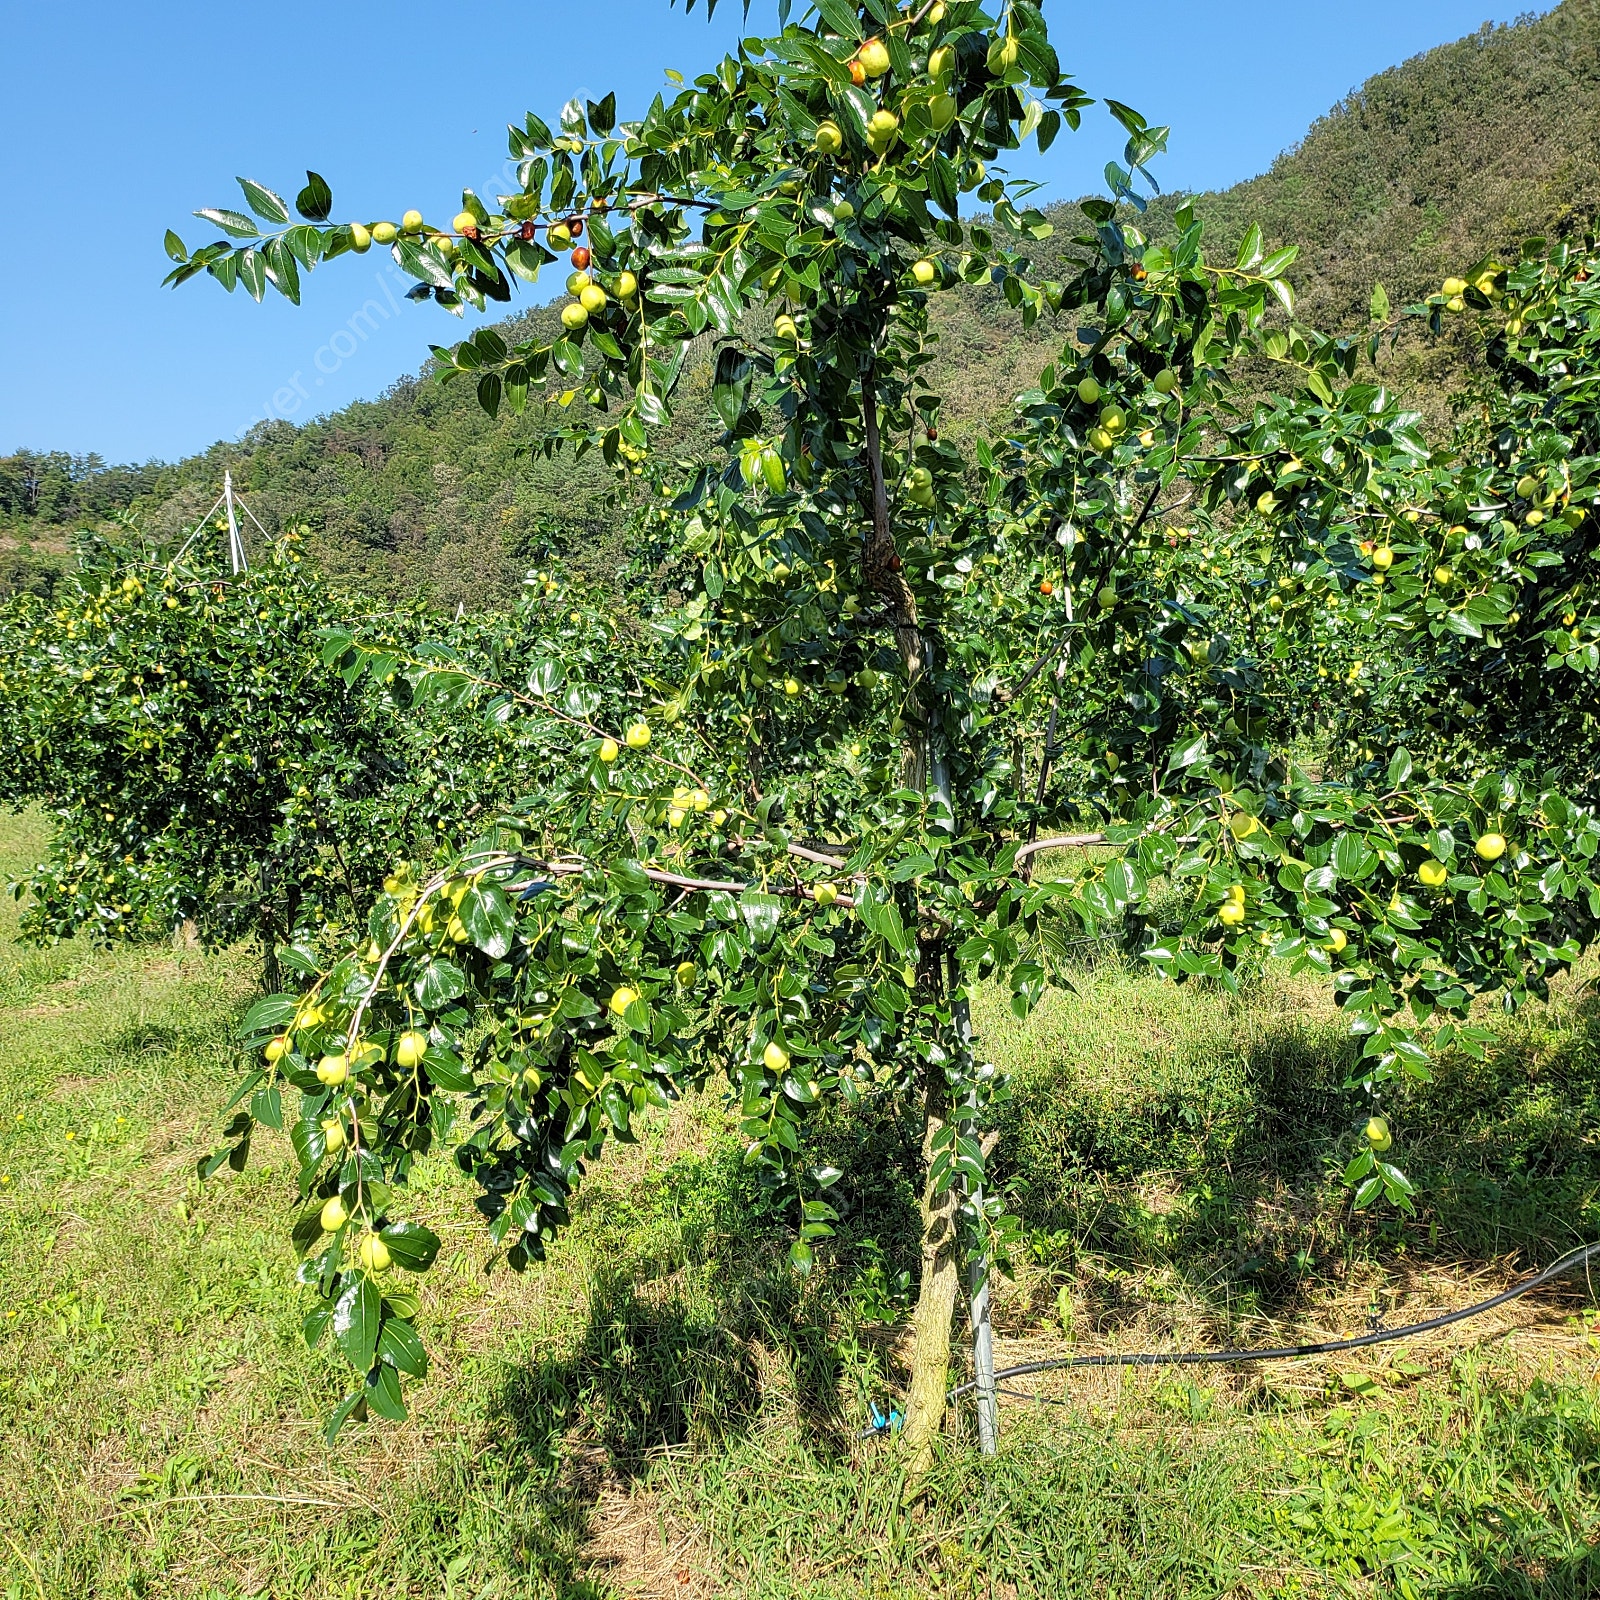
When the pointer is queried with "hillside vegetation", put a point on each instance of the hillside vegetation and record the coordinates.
(1458, 152)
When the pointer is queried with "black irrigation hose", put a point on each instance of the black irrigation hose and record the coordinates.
(1194, 1358)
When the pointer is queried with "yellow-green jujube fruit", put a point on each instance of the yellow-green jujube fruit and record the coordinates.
(825, 893)
(622, 999)
(1433, 873)
(1002, 55)
(333, 1215)
(1337, 940)
(874, 58)
(374, 1254)
(410, 1048)
(1378, 1134)
(411, 222)
(1230, 913)
(573, 316)
(609, 750)
(638, 735)
(775, 1057)
(360, 239)
(829, 140)
(1491, 846)
(593, 298)
(686, 974)
(333, 1070)
(1383, 558)
(384, 232)
(333, 1137)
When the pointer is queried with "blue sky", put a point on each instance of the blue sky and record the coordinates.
(117, 121)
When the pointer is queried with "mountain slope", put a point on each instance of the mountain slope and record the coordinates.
(1455, 153)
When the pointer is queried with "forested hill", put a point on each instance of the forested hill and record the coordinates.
(1427, 166)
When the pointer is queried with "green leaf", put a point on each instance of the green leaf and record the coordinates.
(730, 388)
(1379, 306)
(233, 222)
(761, 913)
(267, 1018)
(282, 269)
(252, 274)
(315, 201)
(842, 17)
(266, 1106)
(356, 1315)
(354, 1405)
(446, 1070)
(399, 1345)
(263, 201)
(525, 259)
(424, 263)
(488, 918)
(441, 981)
(382, 1393)
(173, 245)
(412, 1245)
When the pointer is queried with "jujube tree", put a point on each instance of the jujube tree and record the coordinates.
(793, 866)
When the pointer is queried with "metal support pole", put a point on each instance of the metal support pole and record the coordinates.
(961, 1016)
(978, 1267)
(235, 543)
(983, 1356)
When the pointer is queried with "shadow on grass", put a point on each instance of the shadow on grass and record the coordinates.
(1218, 1173)
(1214, 1178)
(696, 1337)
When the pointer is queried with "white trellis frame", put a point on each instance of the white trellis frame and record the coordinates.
(231, 503)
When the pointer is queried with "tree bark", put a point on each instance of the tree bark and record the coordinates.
(941, 1257)
(881, 567)
(936, 1298)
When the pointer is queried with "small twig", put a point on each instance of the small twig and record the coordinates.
(1060, 841)
(797, 891)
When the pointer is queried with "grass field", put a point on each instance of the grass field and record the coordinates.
(663, 1410)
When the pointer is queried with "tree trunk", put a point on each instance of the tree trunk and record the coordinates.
(941, 1284)
(941, 1256)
